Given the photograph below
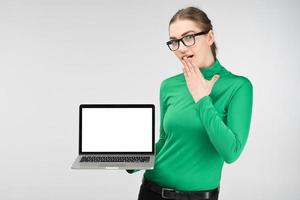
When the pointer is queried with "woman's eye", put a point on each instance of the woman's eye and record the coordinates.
(189, 37)
(174, 42)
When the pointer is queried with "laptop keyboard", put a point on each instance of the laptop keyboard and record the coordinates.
(115, 159)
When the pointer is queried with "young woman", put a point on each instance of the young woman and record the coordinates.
(205, 115)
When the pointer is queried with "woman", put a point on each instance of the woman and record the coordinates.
(205, 115)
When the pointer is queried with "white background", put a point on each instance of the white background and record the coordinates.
(56, 54)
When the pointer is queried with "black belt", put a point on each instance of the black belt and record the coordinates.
(169, 193)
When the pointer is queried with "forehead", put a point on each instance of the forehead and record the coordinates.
(180, 26)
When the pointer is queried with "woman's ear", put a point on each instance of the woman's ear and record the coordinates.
(210, 37)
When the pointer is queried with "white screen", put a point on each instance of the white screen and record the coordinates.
(116, 129)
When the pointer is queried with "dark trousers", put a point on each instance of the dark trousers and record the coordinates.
(147, 194)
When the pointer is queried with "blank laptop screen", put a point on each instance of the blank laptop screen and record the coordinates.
(116, 129)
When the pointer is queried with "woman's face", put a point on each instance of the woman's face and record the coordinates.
(200, 51)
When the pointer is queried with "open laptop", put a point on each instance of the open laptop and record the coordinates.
(116, 136)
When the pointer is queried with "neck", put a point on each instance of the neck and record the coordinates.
(208, 62)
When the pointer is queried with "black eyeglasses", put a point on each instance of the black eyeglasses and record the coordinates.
(188, 40)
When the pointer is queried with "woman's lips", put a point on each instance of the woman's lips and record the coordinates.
(188, 56)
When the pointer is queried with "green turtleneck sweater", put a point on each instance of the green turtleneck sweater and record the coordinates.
(196, 138)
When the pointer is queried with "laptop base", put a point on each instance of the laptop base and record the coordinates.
(112, 165)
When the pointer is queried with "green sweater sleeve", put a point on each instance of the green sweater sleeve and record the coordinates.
(228, 139)
(160, 143)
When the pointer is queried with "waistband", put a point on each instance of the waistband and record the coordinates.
(170, 193)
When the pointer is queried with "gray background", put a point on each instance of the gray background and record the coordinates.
(55, 55)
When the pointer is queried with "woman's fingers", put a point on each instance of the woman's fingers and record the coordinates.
(184, 72)
(186, 69)
(196, 69)
(189, 65)
(214, 79)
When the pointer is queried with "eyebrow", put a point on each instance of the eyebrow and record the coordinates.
(182, 34)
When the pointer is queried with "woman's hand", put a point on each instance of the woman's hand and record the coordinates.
(197, 84)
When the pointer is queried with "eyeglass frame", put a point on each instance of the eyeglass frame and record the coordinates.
(181, 39)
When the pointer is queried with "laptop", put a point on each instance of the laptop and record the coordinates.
(116, 136)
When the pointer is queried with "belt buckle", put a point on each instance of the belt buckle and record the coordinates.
(163, 194)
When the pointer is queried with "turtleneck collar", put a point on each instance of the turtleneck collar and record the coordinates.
(215, 68)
